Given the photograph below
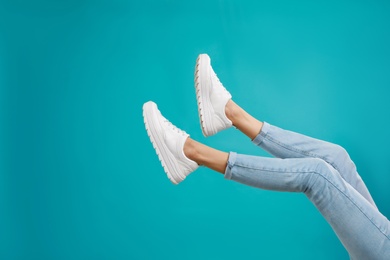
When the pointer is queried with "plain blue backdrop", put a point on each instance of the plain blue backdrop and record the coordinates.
(79, 178)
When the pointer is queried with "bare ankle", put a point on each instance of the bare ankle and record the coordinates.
(189, 149)
(231, 111)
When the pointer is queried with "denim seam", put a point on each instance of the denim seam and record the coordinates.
(312, 155)
(354, 203)
(271, 170)
(330, 182)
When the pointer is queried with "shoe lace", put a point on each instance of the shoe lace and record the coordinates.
(174, 128)
(217, 79)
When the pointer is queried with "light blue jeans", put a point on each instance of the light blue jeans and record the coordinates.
(325, 173)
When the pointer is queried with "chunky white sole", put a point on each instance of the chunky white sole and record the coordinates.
(203, 88)
(151, 118)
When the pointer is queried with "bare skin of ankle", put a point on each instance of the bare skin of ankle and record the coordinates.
(215, 159)
(244, 122)
(205, 155)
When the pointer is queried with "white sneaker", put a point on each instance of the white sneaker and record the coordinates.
(168, 141)
(211, 96)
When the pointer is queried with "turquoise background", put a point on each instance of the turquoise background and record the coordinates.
(79, 178)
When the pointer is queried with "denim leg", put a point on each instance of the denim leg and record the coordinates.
(287, 144)
(362, 229)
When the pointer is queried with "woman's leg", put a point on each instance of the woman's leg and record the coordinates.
(205, 155)
(287, 144)
(362, 229)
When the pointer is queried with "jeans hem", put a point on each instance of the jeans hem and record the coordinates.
(263, 133)
(230, 164)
